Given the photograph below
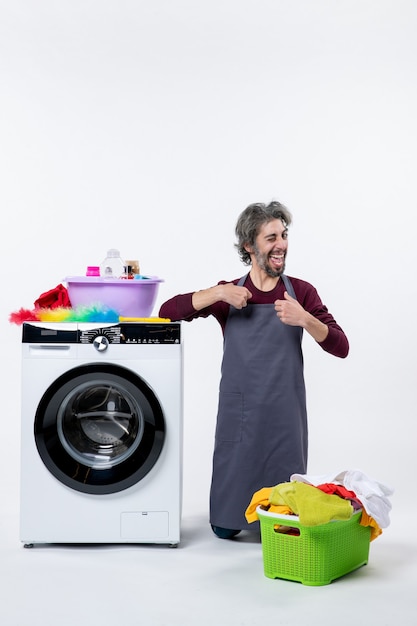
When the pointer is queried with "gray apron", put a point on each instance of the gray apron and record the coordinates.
(261, 431)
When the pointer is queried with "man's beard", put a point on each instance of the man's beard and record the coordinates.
(262, 261)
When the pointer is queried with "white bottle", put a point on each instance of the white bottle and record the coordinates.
(113, 265)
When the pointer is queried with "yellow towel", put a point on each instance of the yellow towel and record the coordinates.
(313, 506)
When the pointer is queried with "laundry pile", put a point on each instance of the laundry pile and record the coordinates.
(321, 499)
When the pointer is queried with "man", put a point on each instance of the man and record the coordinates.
(261, 432)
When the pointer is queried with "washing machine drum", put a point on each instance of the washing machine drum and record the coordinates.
(99, 429)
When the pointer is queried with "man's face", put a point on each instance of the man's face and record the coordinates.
(270, 248)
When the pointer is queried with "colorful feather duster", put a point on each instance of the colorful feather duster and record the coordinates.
(94, 313)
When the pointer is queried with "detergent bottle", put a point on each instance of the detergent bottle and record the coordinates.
(113, 265)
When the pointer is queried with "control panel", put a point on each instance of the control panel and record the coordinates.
(101, 336)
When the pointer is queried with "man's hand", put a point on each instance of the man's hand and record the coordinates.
(291, 312)
(232, 294)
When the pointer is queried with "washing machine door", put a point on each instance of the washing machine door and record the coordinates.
(99, 428)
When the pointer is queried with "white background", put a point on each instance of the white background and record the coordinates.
(148, 126)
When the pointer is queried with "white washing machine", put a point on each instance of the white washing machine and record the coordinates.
(101, 433)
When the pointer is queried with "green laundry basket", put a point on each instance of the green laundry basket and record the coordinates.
(312, 555)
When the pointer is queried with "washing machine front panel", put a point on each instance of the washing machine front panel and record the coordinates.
(113, 413)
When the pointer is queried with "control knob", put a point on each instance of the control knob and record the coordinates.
(100, 343)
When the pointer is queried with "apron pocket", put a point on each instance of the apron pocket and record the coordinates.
(229, 417)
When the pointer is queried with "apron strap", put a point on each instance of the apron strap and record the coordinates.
(288, 286)
(287, 283)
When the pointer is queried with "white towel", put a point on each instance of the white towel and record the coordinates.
(372, 493)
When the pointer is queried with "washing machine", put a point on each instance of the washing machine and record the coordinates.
(101, 433)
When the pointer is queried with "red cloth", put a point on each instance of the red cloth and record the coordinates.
(338, 490)
(53, 299)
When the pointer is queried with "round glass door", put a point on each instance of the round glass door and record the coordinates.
(99, 428)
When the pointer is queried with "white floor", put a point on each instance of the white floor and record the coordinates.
(204, 581)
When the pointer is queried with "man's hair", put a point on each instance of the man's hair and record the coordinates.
(250, 221)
